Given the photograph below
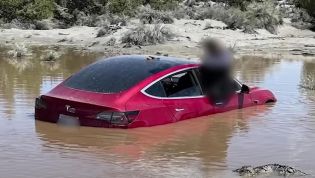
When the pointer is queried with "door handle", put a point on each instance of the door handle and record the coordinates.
(179, 109)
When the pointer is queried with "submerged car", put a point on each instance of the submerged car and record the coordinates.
(138, 91)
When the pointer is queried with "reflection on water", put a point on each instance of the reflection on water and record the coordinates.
(211, 146)
(308, 75)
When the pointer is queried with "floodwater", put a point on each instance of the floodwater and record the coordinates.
(211, 146)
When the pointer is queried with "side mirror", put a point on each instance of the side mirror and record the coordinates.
(245, 89)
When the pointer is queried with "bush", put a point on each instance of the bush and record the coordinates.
(19, 51)
(127, 7)
(9, 9)
(147, 35)
(105, 30)
(163, 4)
(50, 56)
(26, 9)
(184, 12)
(150, 16)
(120, 20)
(38, 10)
(263, 15)
(309, 5)
(301, 19)
(43, 25)
(242, 4)
(86, 6)
(258, 15)
(234, 18)
(111, 42)
(64, 17)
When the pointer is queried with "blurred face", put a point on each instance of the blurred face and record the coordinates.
(212, 47)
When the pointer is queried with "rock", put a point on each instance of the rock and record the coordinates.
(63, 33)
(190, 23)
(158, 53)
(28, 36)
(247, 171)
(277, 169)
(62, 40)
(294, 50)
(94, 43)
(127, 45)
(308, 54)
(309, 46)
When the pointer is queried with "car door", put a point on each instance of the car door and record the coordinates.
(238, 100)
(183, 94)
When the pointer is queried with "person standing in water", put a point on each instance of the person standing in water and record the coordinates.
(216, 71)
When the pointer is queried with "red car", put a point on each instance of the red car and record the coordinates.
(138, 91)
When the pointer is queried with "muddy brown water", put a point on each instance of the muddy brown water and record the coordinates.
(211, 146)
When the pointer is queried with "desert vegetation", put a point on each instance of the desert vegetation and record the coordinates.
(147, 34)
(111, 15)
(237, 14)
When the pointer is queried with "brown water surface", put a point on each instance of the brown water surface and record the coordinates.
(205, 147)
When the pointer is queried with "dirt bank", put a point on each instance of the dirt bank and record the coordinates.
(288, 43)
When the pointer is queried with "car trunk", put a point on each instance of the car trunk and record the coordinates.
(75, 104)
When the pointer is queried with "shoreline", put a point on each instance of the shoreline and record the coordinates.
(289, 43)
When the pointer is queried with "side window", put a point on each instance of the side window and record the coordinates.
(156, 90)
(182, 84)
(234, 85)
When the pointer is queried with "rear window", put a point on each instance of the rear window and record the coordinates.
(117, 74)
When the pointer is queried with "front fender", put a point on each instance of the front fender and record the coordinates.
(262, 96)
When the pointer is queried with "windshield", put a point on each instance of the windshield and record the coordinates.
(117, 74)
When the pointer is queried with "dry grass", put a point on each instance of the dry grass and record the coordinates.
(147, 15)
(258, 15)
(147, 35)
(50, 56)
(20, 51)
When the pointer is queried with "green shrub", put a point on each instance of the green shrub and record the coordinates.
(301, 19)
(26, 9)
(150, 16)
(163, 4)
(103, 32)
(127, 7)
(263, 15)
(309, 5)
(234, 18)
(87, 6)
(43, 25)
(37, 10)
(9, 9)
(259, 15)
(147, 35)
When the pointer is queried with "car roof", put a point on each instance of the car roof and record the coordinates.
(116, 74)
(148, 61)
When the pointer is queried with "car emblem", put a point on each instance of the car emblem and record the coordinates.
(70, 109)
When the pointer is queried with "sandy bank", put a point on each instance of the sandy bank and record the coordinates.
(288, 43)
